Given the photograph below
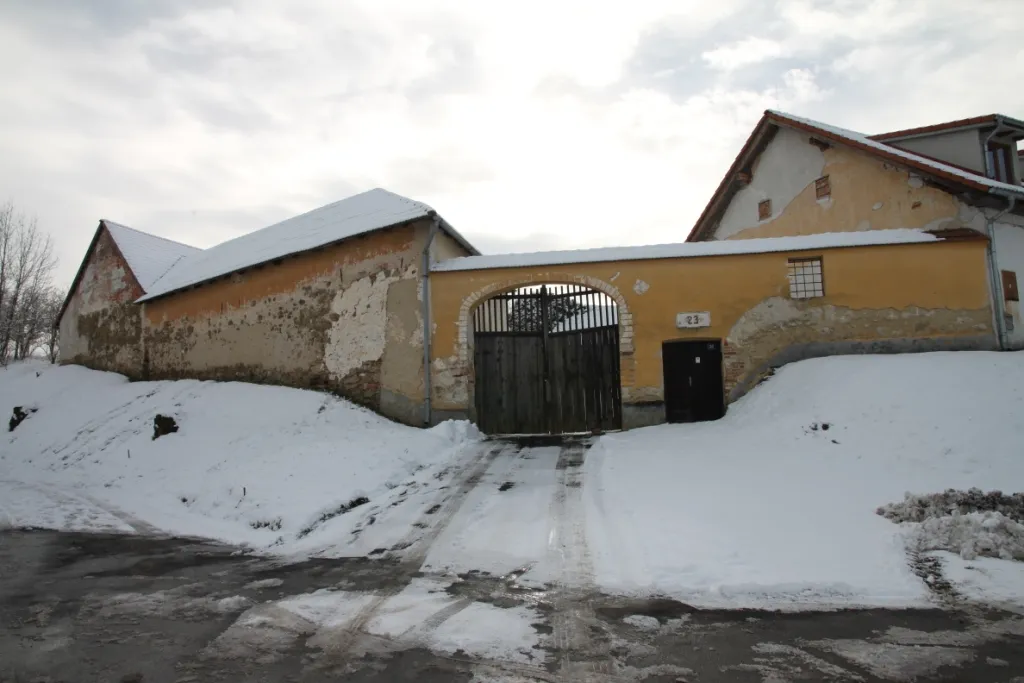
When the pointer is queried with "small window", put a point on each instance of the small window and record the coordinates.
(822, 187)
(805, 278)
(764, 209)
(1000, 161)
(1010, 286)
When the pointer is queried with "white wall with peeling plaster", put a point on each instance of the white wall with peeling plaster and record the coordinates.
(788, 164)
(359, 335)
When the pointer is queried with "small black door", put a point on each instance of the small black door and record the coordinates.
(693, 380)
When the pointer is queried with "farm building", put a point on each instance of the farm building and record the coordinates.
(818, 241)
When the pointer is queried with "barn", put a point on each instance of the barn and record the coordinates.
(331, 299)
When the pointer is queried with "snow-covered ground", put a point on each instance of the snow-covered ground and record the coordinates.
(772, 506)
(775, 503)
(266, 466)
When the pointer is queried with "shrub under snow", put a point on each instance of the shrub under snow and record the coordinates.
(969, 523)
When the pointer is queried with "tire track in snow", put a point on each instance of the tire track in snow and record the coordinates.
(85, 506)
(436, 619)
(568, 549)
(419, 543)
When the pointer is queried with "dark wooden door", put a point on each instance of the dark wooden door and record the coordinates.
(693, 380)
(547, 362)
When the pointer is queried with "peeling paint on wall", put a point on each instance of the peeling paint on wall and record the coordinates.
(641, 287)
(358, 333)
(866, 194)
(101, 327)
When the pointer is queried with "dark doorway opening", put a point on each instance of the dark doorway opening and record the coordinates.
(694, 391)
(546, 361)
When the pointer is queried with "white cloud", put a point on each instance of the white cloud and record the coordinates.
(520, 123)
(748, 51)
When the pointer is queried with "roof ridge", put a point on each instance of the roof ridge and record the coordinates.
(107, 222)
(414, 202)
(856, 138)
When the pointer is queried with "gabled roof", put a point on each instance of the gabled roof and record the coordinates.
(973, 122)
(938, 171)
(148, 256)
(363, 213)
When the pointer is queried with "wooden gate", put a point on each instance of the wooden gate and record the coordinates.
(547, 361)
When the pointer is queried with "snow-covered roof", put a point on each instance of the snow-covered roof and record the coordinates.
(147, 255)
(830, 240)
(910, 159)
(357, 215)
(933, 168)
(947, 126)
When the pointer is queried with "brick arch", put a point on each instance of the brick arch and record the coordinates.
(477, 297)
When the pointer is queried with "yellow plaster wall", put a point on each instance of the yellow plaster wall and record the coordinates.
(918, 291)
(344, 318)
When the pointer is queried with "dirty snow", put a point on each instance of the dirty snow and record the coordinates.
(774, 505)
(988, 534)
(986, 579)
(250, 464)
(424, 614)
(326, 607)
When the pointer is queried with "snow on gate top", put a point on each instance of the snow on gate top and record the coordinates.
(830, 240)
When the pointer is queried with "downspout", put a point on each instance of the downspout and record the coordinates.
(989, 171)
(425, 274)
(995, 282)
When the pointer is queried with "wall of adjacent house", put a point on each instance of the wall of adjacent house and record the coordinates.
(345, 318)
(865, 194)
(1008, 240)
(958, 147)
(910, 297)
(101, 325)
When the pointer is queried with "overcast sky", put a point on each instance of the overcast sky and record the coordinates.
(527, 125)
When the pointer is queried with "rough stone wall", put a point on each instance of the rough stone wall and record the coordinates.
(101, 327)
(878, 299)
(781, 330)
(343, 318)
(866, 194)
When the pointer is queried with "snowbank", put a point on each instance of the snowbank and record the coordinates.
(775, 503)
(248, 464)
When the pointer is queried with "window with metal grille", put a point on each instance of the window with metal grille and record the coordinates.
(822, 187)
(805, 278)
(764, 209)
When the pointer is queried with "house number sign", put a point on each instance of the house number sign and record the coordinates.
(693, 319)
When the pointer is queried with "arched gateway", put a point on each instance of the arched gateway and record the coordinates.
(546, 361)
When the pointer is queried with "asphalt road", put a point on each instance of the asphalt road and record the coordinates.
(88, 607)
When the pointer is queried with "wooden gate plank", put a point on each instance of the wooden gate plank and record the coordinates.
(513, 356)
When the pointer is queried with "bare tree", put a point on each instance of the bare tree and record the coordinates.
(26, 269)
(51, 335)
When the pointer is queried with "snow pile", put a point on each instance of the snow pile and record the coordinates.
(762, 509)
(267, 466)
(985, 534)
(918, 508)
(969, 523)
